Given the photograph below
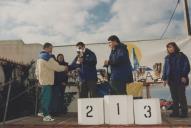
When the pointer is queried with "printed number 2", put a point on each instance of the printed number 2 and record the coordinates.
(148, 115)
(90, 108)
(118, 109)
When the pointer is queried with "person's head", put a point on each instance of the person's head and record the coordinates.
(60, 57)
(113, 41)
(48, 47)
(80, 47)
(172, 48)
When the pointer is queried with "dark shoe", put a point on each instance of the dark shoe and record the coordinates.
(183, 115)
(173, 114)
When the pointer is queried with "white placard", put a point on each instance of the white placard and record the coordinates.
(118, 109)
(90, 111)
(147, 111)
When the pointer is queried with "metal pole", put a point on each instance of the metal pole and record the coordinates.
(187, 17)
(7, 103)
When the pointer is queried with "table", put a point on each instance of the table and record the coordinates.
(148, 84)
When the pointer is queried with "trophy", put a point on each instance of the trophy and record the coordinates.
(157, 67)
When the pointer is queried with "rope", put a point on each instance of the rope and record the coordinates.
(170, 20)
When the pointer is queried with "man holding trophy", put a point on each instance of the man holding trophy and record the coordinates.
(86, 62)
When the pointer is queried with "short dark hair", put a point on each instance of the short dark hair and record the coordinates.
(176, 48)
(114, 38)
(80, 44)
(47, 45)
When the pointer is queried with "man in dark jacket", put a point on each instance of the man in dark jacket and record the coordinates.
(86, 61)
(121, 69)
(175, 74)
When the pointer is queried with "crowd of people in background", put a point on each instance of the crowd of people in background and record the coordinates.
(52, 74)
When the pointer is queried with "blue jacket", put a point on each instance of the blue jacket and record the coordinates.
(119, 61)
(175, 67)
(88, 67)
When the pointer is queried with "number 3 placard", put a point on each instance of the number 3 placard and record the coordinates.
(90, 111)
(147, 111)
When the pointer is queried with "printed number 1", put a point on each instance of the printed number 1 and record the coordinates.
(118, 109)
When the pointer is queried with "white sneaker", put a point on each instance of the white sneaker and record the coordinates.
(48, 118)
(40, 114)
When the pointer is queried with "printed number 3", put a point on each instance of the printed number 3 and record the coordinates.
(148, 115)
(90, 108)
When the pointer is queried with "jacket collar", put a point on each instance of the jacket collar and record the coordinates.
(44, 55)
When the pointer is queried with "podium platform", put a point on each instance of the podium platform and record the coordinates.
(70, 121)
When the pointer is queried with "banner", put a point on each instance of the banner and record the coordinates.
(141, 53)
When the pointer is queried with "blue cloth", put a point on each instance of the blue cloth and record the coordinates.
(44, 55)
(119, 61)
(88, 67)
(176, 66)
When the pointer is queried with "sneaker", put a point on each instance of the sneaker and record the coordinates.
(40, 114)
(48, 118)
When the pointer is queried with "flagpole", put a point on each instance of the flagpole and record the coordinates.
(187, 17)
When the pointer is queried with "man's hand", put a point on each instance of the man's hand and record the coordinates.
(165, 82)
(183, 80)
(106, 63)
(66, 68)
(79, 60)
(63, 84)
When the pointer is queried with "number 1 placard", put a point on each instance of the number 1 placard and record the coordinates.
(118, 109)
(90, 111)
(147, 111)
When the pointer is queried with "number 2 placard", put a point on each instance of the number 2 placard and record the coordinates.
(90, 111)
(147, 111)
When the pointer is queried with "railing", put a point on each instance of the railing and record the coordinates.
(8, 100)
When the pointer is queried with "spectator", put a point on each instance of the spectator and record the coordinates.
(60, 82)
(175, 74)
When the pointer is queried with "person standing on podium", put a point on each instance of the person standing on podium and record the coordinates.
(121, 69)
(86, 62)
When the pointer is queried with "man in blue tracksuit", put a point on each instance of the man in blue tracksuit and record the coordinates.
(86, 61)
(46, 65)
(121, 69)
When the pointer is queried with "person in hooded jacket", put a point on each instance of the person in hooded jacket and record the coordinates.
(58, 89)
(175, 74)
(45, 68)
(121, 69)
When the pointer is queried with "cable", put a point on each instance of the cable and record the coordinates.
(178, 1)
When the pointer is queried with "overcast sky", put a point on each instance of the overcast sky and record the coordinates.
(69, 21)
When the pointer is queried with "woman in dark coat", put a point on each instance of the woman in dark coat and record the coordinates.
(175, 74)
(60, 82)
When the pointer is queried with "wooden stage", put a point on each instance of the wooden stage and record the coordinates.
(70, 121)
